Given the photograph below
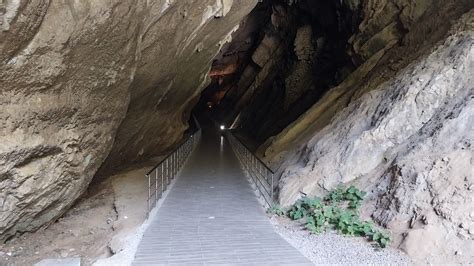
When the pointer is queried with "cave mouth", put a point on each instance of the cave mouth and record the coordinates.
(285, 55)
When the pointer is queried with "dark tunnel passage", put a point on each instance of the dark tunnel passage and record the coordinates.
(280, 61)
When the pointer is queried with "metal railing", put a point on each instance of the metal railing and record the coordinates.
(160, 176)
(260, 173)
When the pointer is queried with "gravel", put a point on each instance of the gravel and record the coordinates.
(334, 249)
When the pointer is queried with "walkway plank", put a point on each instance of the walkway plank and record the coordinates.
(211, 216)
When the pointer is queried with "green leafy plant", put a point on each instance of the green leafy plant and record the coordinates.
(336, 195)
(276, 209)
(382, 238)
(297, 211)
(338, 211)
(354, 196)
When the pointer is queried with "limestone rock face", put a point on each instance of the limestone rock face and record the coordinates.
(265, 50)
(81, 79)
(300, 77)
(408, 140)
(175, 57)
(419, 27)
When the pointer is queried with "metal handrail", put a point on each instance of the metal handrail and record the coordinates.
(260, 173)
(160, 176)
(256, 157)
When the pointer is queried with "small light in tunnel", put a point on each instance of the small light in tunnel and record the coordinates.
(222, 127)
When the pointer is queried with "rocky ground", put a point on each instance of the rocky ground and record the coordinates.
(95, 228)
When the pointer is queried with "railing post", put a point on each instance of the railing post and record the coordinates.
(149, 192)
(272, 189)
(252, 163)
(172, 166)
(167, 172)
(162, 183)
(247, 160)
(156, 184)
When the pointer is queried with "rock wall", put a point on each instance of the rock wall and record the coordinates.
(175, 56)
(388, 30)
(400, 127)
(87, 84)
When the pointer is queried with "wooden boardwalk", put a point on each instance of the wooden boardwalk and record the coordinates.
(212, 216)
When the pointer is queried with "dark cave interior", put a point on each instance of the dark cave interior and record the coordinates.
(282, 59)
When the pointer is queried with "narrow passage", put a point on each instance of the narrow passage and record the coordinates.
(212, 216)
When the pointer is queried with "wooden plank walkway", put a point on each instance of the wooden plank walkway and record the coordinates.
(212, 216)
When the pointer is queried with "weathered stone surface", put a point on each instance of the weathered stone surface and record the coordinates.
(380, 66)
(300, 78)
(64, 81)
(171, 73)
(304, 46)
(302, 53)
(385, 21)
(81, 79)
(318, 116)
(408, 141)
(265, 50)
(266, 73)
(378, 15)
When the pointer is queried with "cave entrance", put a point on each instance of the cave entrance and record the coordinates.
(282, 59)
(109, 94)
